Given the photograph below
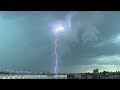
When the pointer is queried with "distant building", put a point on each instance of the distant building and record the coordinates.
(95, 71)
(70, 76)
(87, 76)
(77, 76)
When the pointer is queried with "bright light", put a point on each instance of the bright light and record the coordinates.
(60, 28)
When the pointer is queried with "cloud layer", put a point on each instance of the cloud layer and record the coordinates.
(93, 40)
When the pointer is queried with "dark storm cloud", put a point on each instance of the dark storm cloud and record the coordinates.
(82, 54)
(33, 49)
(91, 37)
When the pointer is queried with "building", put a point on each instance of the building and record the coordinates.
(77, 76)
(95, 71)
(87, 76)
(74, 76)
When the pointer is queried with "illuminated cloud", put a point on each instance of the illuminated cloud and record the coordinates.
(113, 59)
(117, 39)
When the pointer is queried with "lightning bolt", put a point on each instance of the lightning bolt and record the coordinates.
(60, 27)
(56, 56)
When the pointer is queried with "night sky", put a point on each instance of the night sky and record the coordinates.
(92, 41)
